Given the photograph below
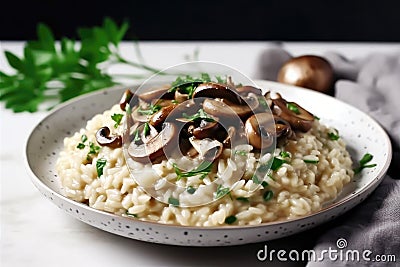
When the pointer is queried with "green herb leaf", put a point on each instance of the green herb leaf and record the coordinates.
(277, 163)
(241, 153)
(264, 184)
(150, 110)
(221, 192)
(131, 215)
(80, 146)
(173, 201)
(256, 180)
(203, 169)
(231, 219)
(117, 118)
(293, 107)
(84, 138)
(243, 199)
(284, 154)
(317, 118)
(333, 136)
(100, 164)
(268, 195)
(200, 114)
(146, 129)
(364, 160)
(190, 189)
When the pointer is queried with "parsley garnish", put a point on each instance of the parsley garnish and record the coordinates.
(317, 118)
(131, 214)
(200, 114)
(80, 146)
(363, 163)
(231, 219)
(284, 154)
(243, 199)
(84, 138)
(268, 195)
(277, 163)
(221, 191)
(150, 110)
(293, 107)
(146, 129)
(93, 149)
(256, 180)
(264, 183)
(190, 189)
(203, 169)
(311, 159)
(333, 136)
(117, 118)
(173, 201)
(241, 152)
(188, 84)
(100, 164)
(52, 70)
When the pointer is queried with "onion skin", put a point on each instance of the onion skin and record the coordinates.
(308, 71)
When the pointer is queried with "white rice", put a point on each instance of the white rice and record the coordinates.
(298, 188)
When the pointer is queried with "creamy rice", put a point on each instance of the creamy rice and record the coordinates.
(298, 188)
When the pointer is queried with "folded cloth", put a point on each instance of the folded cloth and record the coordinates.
(371, 84)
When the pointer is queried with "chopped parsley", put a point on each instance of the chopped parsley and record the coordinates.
(150, 110)
(93, 149)
(173, 201)
(146, 129)
(334, 135)
(190, 189)
(317, 118)
(221, 191)
(84, 138)
(284, 154)
(117, 118)
(100, 164)
(256, 180)
(363, 163)
(311, 159)
(264, 183)
(200, 114)
(80, 146)
(277, 163)
(293, 107)
(268, 195)
(137, 137)
(203, 169)
(230, 219)
(188, 84)
(243, 199)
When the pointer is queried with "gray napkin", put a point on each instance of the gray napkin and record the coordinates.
(371, 84)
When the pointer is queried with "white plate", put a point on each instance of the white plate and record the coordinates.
(361, 133)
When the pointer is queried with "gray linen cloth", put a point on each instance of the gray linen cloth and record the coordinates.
(371, 84)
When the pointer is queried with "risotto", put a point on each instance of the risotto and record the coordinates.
(307, 169)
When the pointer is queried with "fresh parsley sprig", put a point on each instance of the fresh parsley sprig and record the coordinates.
(51, 72)
(363, 163)
(203, 170)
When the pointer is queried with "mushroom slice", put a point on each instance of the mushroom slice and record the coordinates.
(205, 129)
(217, 90)
(179, 97)
(128, 98)
(282, 127)
(159, 117)
(207, 148)
(298, 117)
(230, 136)
(246, 89)
(159, 93)
(104, 139)
(154, 147)
(229, 109)
(137, 116)
(260, 130)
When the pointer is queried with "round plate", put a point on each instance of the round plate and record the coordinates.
(361, 133)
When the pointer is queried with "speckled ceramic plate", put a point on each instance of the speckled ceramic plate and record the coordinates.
(361, 133)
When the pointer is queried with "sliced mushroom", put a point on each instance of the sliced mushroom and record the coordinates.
(216, 90)
(244, 90)
(128, 98)
(159, 93)
(205, 129)
(147, 134)
(137, 116)
(158, 118)
(155, 147)
(103, 138)
(230, 136)
(207, 148)
(229, 109)
(260, 129)
(298, 117)
(179, 97)
(282, 127)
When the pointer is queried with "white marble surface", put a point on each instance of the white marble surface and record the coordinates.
(34, 232)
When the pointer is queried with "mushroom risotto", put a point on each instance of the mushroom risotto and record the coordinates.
(204, 153)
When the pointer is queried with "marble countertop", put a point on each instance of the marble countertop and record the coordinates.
(34, 232)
